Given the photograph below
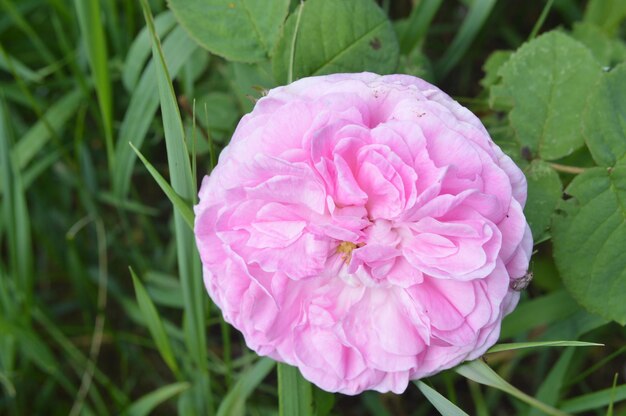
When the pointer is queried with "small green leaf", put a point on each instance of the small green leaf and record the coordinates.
(608, 14)
(238, 30)
(492, 66)
(548, 81)
(604, 121)
(154, 323)
(295, 394)
(145, 405)
(336, 36)
(234, 402)
(589, 236)
(443, 405)
(522, 345)
(180, 205)
(544, 193)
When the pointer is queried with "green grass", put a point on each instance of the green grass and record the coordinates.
(80, 81)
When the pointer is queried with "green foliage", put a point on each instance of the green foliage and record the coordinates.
(80, 80)
(589, 241)
(548, 81)
(336, 36)
(238, 30)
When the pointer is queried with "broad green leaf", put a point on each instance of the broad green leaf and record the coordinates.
(336, 36)
(179, 204)
(481, 373)
(604, 121)
(439, 402)
(154, 323)
(544, 193)
(145, 405)
(549, 80)
(589, 236)
(523, 345)
(549, 391)
(238, 30)
(234, 403)
(596, 400)
(295, 394)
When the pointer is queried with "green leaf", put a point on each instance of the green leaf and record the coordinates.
(492, 66)
(182, 207)
(336, 36)
(608, 14)
(549, 391)
(554, 307)
(549, 80)
(154, 323)
(177, 48)
(295, 394)
(481, 373)
(604, 121)
(544, 193)
(145, 405)
(415, 28)
(139, 51)
(522, 345)
(39, 134)
(238, 30)
(443, 405)
(248, 80)
(607, 50)
(589, 236)
(594, 400)
(234, 402)
(91, 27)
(477, 15)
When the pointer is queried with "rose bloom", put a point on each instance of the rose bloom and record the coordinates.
(365, 229)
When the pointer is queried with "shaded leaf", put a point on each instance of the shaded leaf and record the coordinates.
(589, 237)
(238, 30)
(337, 36)
(544, 193)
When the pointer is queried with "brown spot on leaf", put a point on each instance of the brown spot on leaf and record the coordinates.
(375, 44)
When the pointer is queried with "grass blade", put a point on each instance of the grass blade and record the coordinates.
(522, 345)
(90, 22)
(594, 400)
(476, 17)
(235, 400)
(295, 394)
(481, 373)
(418, 24)
(180, 206)
(187, 255)
(155, 325)
(443, 405)
(147, 403)
(144, 102)
(549, 390)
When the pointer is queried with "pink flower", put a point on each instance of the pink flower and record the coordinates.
(364, 228)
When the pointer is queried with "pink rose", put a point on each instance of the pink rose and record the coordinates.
(364, 228)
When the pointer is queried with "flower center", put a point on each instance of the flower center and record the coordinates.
(346, 247)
